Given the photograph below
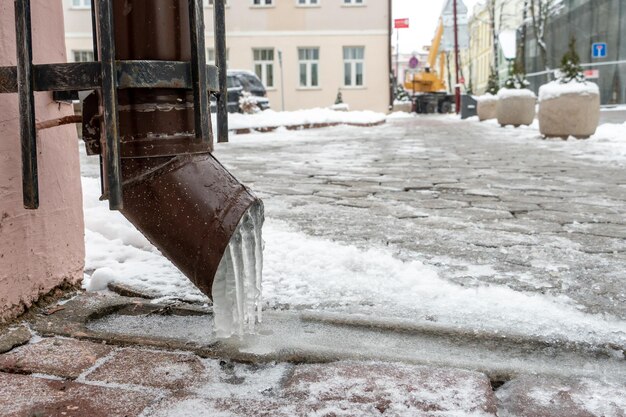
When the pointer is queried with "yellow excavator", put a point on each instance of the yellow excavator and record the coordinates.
(427, 87)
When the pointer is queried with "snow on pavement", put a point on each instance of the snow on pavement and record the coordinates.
(271, 118)
(305, 272)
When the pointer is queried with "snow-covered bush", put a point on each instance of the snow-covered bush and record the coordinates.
(248, 103)
(570, 70)
(492, 84)
(517, 78)
(401, 94)
(569, 106)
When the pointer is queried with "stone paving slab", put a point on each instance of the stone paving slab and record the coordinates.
(66, 358)
(391, 389)
(533, 396)
(173, 371)
(27, 396)
(13, 337)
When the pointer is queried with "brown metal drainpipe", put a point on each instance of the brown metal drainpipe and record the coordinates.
(174, 191)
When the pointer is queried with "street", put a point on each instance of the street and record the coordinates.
(481, 207)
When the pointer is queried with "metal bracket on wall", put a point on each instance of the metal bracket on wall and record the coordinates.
(109, 75)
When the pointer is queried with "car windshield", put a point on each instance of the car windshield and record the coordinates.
(232, 82)
(250, 82)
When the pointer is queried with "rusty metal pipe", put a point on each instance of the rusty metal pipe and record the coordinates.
(174, 191)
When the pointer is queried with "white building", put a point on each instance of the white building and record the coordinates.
(325, 45)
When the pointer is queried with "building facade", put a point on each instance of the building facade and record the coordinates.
(304, 51)
(479, 59)
(589, 22)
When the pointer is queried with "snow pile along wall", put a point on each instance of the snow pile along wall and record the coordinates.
(39, 249)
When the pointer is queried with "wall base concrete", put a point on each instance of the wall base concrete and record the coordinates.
(42, 249)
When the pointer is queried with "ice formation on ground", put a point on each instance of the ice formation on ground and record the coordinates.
(237, 284)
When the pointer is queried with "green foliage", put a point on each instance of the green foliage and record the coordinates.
(493, 85)
(570, 65)
(517, 77)
(339, 99)
(401, 94)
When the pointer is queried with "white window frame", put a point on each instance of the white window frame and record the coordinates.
(209, 3)
(309, 65)
(264, 66)
(81, 4)
(211, 57)
(308, 3)
(262, 3)
(353, 3)
(353, 62)
(81, 52)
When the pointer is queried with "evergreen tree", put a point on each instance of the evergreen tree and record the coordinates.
(339, 99)
(492, 84)
(570, 65)
(517, 78)
(401, 94)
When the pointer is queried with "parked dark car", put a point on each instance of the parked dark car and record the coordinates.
(239, 81)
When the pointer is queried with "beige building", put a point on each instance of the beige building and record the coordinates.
(478, 60)
(325, 46)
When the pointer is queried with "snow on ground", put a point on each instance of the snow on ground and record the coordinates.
(305, 272)
(608, 144)
(271, 118)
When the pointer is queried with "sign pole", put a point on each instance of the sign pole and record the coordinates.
(397, 55)
(457, 89)
(399, 24)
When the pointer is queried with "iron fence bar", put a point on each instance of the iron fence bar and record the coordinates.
(219, 14)
(81, 76)
(106, 52)
(198, 73)
(28, 132)
(94, 37)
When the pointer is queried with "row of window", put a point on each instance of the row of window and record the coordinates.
(308, 65)
(299, 2)
(87, 3)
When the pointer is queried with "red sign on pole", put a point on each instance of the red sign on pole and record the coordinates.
(401, 23)
(592, 74)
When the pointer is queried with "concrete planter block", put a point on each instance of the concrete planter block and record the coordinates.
(486, 107)
(403, 106)
(571, 109)
(515, 107)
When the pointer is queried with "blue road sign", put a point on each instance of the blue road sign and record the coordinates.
(599, 50)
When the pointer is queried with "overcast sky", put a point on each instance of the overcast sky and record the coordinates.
(423, 15)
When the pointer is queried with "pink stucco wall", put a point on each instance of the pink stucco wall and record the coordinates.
(39, 249)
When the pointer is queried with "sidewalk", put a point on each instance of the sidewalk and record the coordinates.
(429, 268)
(68, 377)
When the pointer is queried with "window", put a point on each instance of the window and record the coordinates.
(209, 3)
(210, 56)
(81, 4)
(308, 59)
(353, 2)
(262, 2)
(308, 2)
(83, 56)
(264, 66)
(353, 66)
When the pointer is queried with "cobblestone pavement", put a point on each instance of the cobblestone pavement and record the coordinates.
(479, 204)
